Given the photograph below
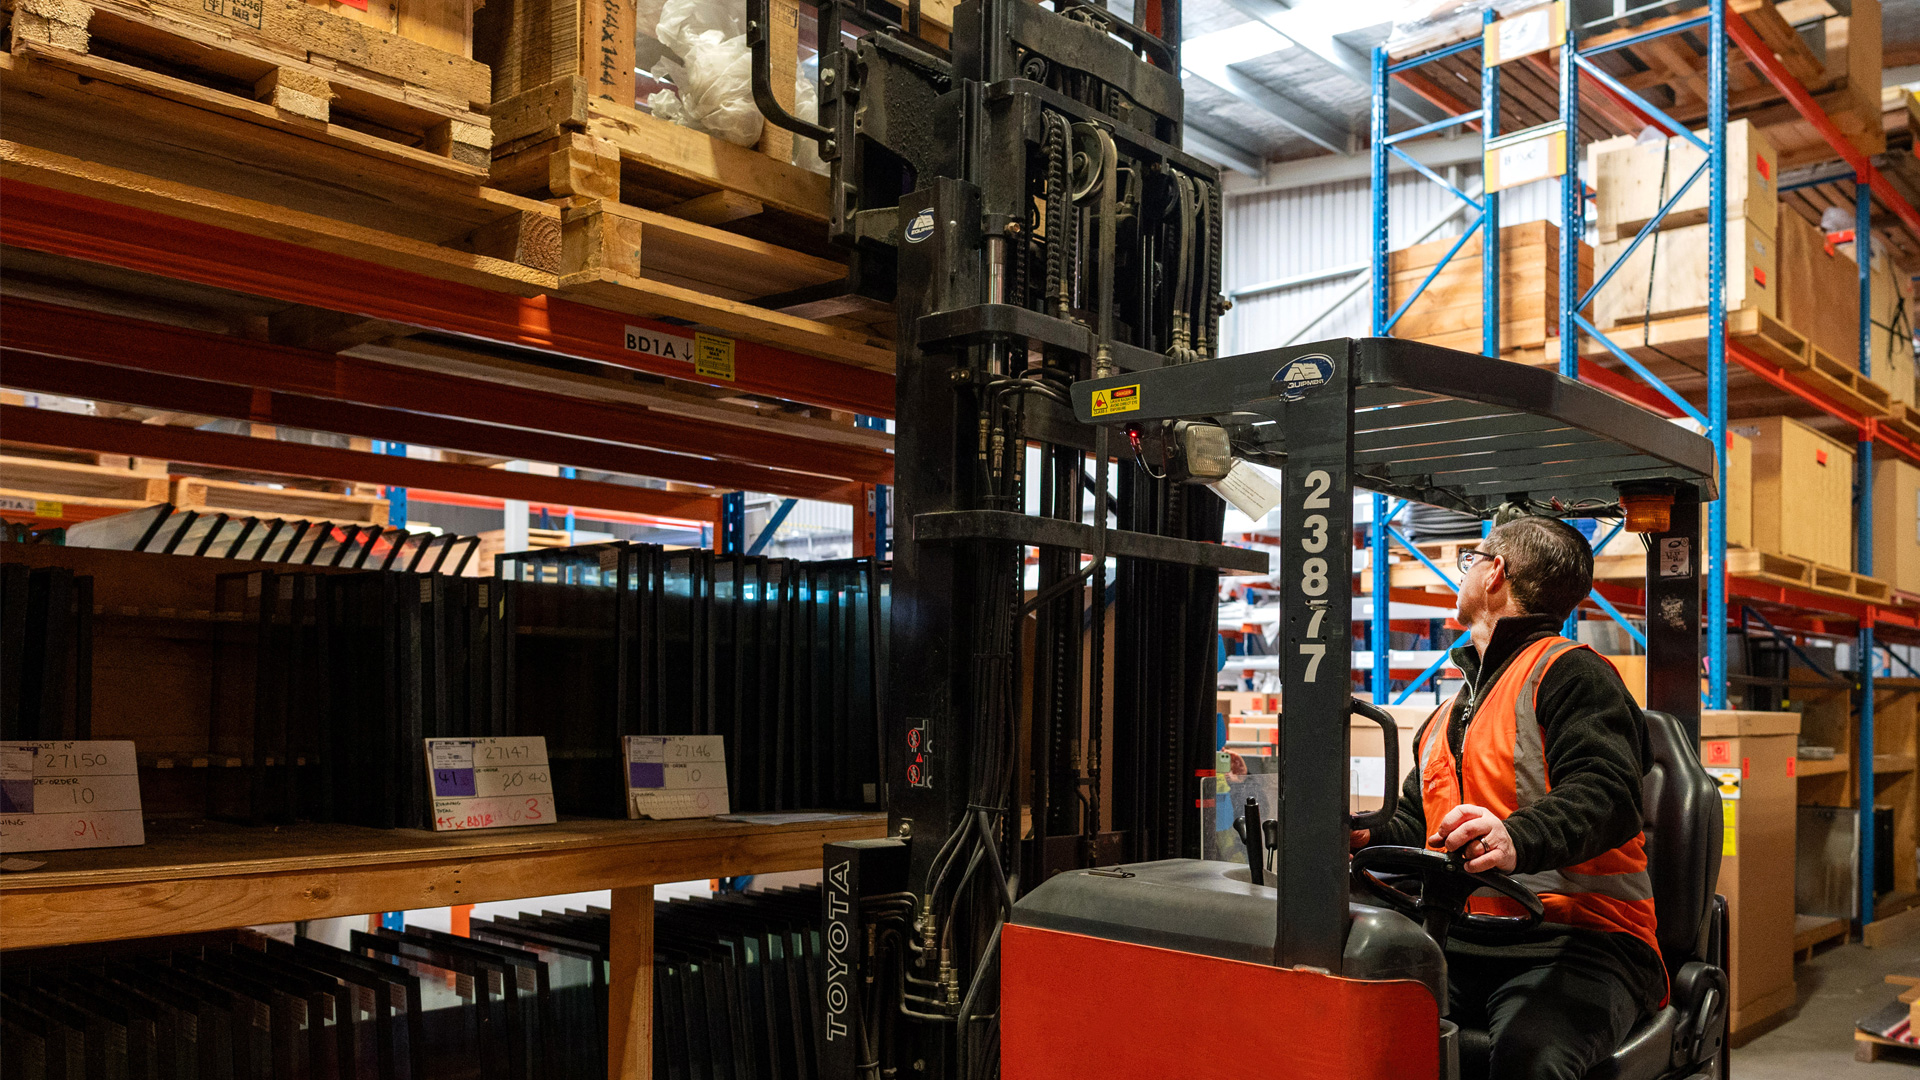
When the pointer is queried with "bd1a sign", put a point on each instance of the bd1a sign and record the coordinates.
(653, 343)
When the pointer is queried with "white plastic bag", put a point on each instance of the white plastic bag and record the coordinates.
(666, 105)
(806, 106)
(682, 21)
(646, 17)
(718, 91)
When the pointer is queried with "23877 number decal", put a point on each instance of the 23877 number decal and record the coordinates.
(1313, 571)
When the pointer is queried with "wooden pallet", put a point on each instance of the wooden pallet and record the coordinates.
(296, 504)
(281, 64)
(1670, 72)
(1810, 931)
(59, 479)
(1874, 1048)
(1813, 577)
(1675, 350)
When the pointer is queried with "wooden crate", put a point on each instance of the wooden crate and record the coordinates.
(256, 500)
(279, 64)
(1819, 293)
(1757, 854)
(1802, 492)
(1634, 179)
(1739, 492)
(1674, 263)
(1449, 312)
(1896, 523)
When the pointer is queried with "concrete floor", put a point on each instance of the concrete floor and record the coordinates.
(1840, 985)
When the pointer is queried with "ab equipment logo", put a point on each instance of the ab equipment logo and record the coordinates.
(1118, 399)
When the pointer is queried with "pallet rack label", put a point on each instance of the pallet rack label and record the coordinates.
(676, 776)
(490, 783)
(55, 796)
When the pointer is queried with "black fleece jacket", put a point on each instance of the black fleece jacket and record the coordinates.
(1597, 751)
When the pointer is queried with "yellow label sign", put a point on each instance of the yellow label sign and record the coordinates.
(45, 509)
(713, 356)
(1730, 831)
(1118, 399)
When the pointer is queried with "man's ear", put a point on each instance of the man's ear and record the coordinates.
(1497, 576)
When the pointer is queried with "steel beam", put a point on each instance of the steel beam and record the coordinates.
(44, 427)
(100, 382)
(1296, 117)
(1223, 152)
(1297, 26)
(52, 330)
(58, 223)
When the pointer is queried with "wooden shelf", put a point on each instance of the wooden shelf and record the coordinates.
(197, 875)
(1892, 763)
(1805, 767)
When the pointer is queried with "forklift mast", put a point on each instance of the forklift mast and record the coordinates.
(1019, 194)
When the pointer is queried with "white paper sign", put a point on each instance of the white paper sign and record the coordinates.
(60, 795)
(1525, 162)
(490, 783)
(1525, 33)
(676, 776)
(1367, 776)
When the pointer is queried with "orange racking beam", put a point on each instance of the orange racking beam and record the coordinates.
(58, 223)
(100, 382)
(47, 428)
(52, 330)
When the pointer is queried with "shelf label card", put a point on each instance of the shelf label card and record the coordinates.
(490, 783)
(55, 796)
(676, 776)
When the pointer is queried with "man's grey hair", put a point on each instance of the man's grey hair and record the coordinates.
(1549, 564)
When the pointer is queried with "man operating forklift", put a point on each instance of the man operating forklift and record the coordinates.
(1534, 768)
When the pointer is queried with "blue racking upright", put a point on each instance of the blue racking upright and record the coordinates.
(1580, 80)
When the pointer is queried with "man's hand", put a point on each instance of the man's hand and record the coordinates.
(1358, 838)
(1478, 835)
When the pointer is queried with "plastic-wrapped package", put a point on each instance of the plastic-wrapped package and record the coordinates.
(682, 21)
(1840, 219)
(718, 91)
(1423, 25)
(665, 104)
(806, 106)
(646, 17)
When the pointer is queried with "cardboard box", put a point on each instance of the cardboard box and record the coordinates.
(1892, 345)
(1896, 523)
(1449, 311)
(1753, 754)
(1632, 180)
(1364, 745)
(1819, 293)
(1633, 672)
(1739, 491)
(1802, 492)
(1676, 260)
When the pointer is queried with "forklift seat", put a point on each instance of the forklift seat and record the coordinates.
(1680, 804)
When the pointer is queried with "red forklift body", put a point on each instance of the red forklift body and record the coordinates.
(1076, 1007)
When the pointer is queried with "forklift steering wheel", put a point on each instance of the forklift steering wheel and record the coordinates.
(1445, 886)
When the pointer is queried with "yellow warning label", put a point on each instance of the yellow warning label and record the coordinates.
(1730, 831)
(45, 509)
(1119, 399)
(713, 356)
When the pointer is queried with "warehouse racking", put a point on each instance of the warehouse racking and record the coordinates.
(1561, 100)
(217, 247)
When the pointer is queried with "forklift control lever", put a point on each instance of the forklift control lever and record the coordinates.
(1445, 885)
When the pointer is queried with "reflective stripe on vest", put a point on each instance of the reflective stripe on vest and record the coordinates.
(1611, 892)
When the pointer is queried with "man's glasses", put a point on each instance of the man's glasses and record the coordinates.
(1468, 558)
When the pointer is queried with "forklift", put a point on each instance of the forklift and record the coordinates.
(1017, 192)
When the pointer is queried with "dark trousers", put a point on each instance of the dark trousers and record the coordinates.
(1549, 1017)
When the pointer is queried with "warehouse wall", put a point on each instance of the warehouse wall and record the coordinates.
(1281, 234)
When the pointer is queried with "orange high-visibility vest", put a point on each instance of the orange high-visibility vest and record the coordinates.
(1503, 767)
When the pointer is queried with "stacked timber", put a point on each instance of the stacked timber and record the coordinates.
(397, 81)
(1449, 311)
